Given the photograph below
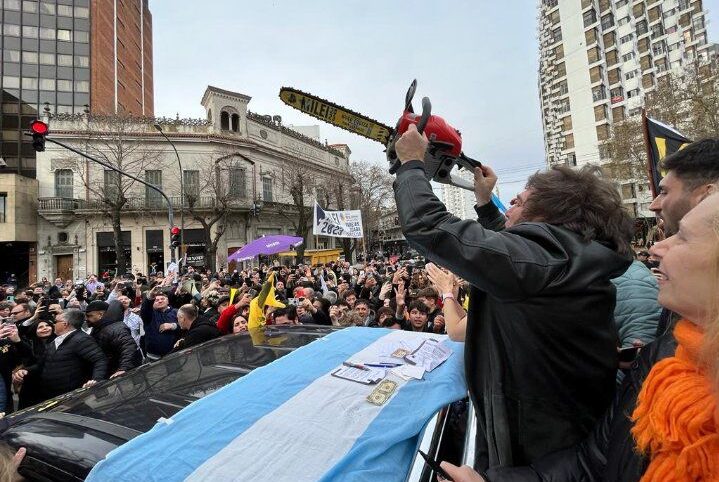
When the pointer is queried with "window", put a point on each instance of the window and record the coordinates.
(29, 83)
(64, 10)
(47, 59)
(82, 12)
(672, 29)
(64, 60)
(600, 112)
(657, 30)
(65, 35)
(9, 82)
(47, 8)
(563, 106)
(82, 37)
(191, 180)
(47, 84)
(623, 21)
(631, 74)
(11, 4)
(628, 191)
(608, 21)
(82, 61)
(224, 121)
(64, 85)
(557, 34)
(642, 27)
(627, 57)
(621, 3)
(29, 32)
(572, 159)
(659, 48)
(29, 7)
(11, 55)
(590, 16)
(267, 189)
(82, 86)
(47, 33)
(626, 38)
(64, 184)
(235, 123)
(563, 88)
(112, 182)
(237, 182)
(29, 57)
(152, 197)
(11, 30)
(632, 93)
(3, 204)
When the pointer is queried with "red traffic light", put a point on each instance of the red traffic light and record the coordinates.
(38, 127)
(175, 231)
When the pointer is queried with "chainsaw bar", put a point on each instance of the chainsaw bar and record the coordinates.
(336, 115)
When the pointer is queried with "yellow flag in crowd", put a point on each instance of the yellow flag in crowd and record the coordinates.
(266, 297)
(233, 292)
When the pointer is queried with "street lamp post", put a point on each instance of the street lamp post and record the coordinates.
(182, 192)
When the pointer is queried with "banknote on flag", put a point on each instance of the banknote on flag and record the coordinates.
(292, 420)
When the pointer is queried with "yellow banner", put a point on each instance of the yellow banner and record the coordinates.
(336, 116)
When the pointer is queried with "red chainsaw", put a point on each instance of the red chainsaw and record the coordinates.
(444, 151)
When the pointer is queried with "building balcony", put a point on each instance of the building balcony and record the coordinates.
(59, 211)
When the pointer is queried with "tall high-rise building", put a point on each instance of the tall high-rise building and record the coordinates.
(459, 202)
(598, 59)
(61, 56)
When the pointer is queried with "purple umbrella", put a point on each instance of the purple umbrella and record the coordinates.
(266, 245)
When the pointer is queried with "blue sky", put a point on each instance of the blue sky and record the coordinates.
(476, 60)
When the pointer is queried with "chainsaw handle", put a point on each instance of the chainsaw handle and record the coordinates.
(426, 113)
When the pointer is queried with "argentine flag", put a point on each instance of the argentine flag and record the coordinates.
(292, 421)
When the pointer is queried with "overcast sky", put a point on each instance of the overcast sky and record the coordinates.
(476, 60)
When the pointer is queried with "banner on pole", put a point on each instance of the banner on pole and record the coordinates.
(663, 141)
(337, 224)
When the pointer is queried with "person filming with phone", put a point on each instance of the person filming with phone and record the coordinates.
(541, 347)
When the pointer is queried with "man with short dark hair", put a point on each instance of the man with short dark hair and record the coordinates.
(418, 317)
(429, 296)
(72, 360)
(113, 336)
(197, 329)
(364, 310)
(541, 347)
(692, 174)
(160, 323)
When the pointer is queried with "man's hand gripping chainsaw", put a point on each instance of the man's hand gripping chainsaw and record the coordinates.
(444, 151)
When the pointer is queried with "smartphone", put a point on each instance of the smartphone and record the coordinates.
(434, 465)
(628, 354)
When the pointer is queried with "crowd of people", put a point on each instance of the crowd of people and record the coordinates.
(61, 335)
(586, 358)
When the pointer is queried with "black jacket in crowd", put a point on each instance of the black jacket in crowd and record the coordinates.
(609, 453)
(113, 336)
(78, 359)
(541, 347)
(200, 331)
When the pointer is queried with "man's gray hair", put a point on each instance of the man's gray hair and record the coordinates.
(74, 317)
(189, 310)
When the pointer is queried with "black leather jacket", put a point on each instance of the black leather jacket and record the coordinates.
(116, 342)
(541, 348)
(609, 453)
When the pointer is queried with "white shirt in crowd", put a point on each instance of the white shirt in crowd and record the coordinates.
(61, 338)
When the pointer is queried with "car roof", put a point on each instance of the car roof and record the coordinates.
(76, 430)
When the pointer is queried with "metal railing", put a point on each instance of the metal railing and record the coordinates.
(59, 204)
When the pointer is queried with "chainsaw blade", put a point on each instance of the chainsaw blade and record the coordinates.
(336, 115)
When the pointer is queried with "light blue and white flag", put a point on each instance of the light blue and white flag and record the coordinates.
(292, 421)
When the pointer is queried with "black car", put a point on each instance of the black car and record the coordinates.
(67, 435)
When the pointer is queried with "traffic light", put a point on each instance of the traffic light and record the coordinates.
(175, 237)
(39, 130)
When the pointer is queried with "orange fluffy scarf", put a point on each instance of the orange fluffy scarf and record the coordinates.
(676, 421)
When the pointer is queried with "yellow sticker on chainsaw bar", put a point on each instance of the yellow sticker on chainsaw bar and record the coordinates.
(336, 115)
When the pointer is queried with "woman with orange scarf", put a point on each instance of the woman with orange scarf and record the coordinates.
(664, 423)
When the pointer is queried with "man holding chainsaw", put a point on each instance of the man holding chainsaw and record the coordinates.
(540, 351)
